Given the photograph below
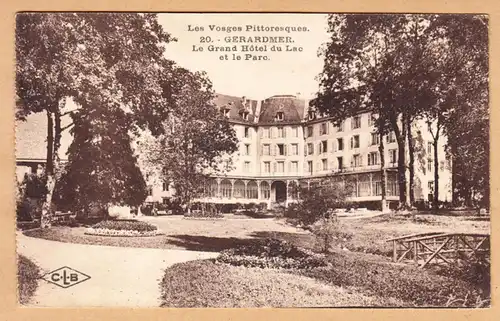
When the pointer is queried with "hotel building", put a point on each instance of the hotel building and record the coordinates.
(281, 141)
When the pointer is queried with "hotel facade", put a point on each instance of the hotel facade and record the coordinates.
(282, 142)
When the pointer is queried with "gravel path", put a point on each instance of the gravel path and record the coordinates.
(120, 277)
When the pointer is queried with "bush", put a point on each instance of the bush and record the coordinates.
(27, 277)
(128, 225)
(271, 253)
(325, 231)
(317, 200)
(123, 228)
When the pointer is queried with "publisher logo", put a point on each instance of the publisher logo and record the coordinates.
(65, 277)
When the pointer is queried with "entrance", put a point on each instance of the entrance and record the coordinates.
(280, 192)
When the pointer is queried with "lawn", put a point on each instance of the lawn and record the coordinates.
(209, 284)
(361, 272)
(179, 233)
(27, 276)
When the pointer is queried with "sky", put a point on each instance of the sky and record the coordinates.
(285, 73)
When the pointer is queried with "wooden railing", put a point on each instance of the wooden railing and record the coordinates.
(441, 247)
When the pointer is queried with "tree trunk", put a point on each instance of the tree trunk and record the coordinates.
(435, 199)
(45, 219)
(400, 138)
(53, 161)
(411, 165)
(383, 173)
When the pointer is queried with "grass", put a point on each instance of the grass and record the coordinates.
(207, 284)
(178, 233)
(27, 276)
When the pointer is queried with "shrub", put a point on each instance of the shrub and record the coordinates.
(325, 231)
(316, 200)
(123, 228)
(27, 277)
(271, 253)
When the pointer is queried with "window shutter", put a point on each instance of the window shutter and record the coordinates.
(289, 167)
(284, 132)
(274, 167)
(261, 150)
(361, 160)
(249, 132)
(334, 147)
(327, 128)
(305, 149)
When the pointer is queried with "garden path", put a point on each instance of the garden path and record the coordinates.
(120, 277)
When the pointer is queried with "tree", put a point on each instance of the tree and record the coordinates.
(197, 137)
(317, 199)
(359, 75)
(112, 60)
(461, 108)
(102, 170)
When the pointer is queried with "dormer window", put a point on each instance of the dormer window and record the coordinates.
(225, 110)
(244, 115)
(280, 116)
(311, 115)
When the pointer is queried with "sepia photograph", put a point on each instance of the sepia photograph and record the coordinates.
(252, 160)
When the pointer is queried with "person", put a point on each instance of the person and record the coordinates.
(154, 210)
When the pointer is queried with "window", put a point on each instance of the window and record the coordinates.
(247, 149)
(150, 190)
(355, 141)
(324, 146)
(324, 164)
(309, 131)
(295, 149)
(310, 167)
(356, 160)
(372, 119)
(356, 122)
(267, 167)
(266, 149)
(281, 149)
(310, 149)
(294, 167)
(373, 158)
(244, 115)
(340, 162)
(165, 186)
(430, 186)
(311, 114)
(393, 156)
(429, 148)
(323, 129)
(265, 132)
(340, 143)
(225, 112)
(391, 138)
(375, 139)
(280, 132)
(280, 115)
(430, 165)
(280, 167)
(247, 167)
(341, 126)
(165, 200)
(247, 132)
(295, 131)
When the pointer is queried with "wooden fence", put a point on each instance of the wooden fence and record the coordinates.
(441, 248)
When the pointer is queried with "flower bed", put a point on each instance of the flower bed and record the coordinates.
(272, 253)
(123, 228)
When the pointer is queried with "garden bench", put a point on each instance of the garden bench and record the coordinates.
(63, 217)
